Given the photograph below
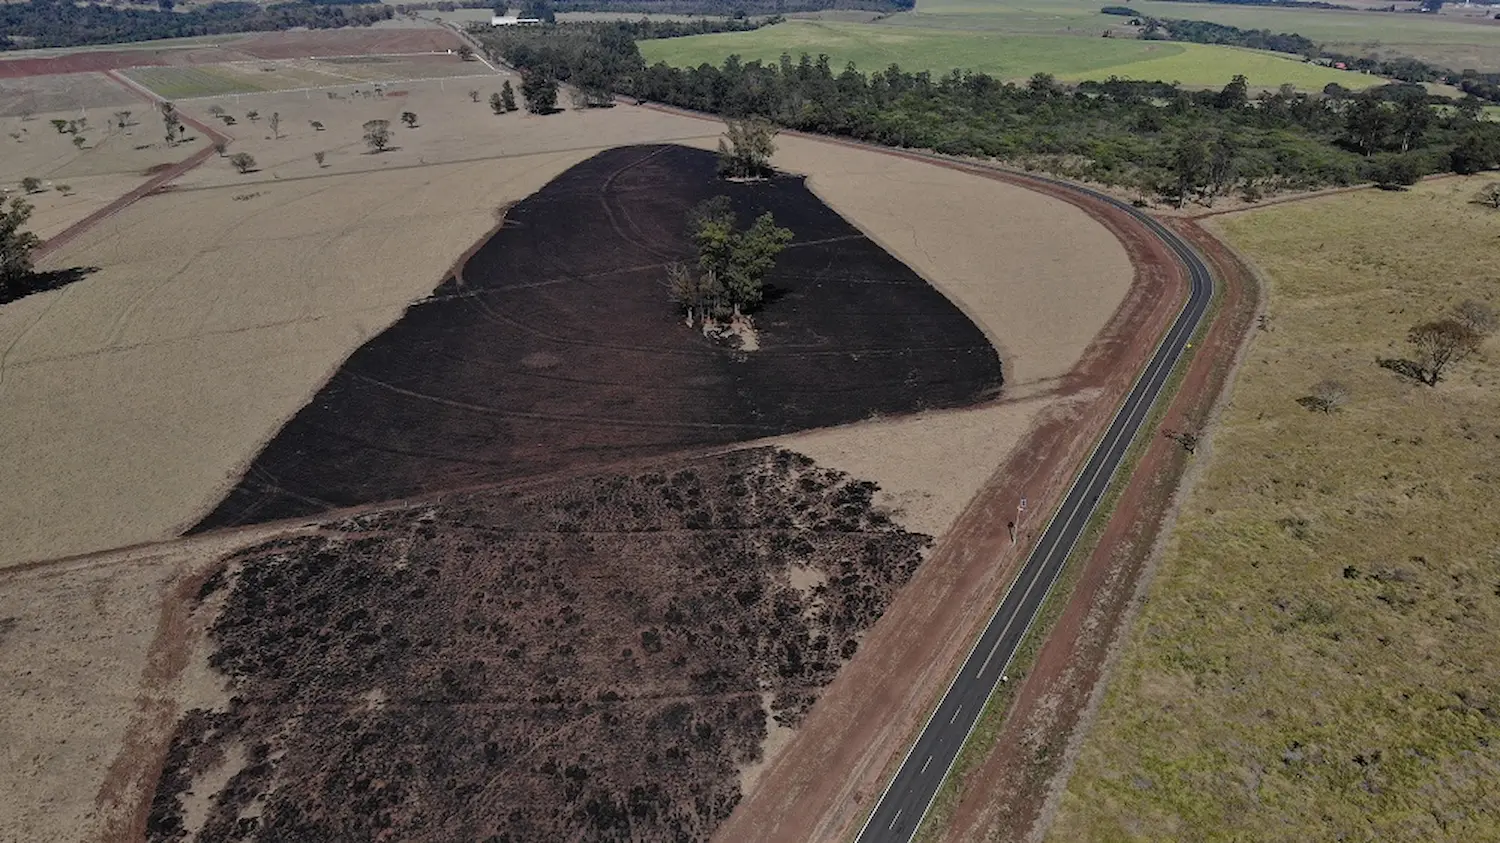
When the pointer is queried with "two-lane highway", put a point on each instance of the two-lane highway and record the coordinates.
(911, 792)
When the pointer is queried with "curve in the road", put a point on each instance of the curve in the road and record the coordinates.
(912, 790)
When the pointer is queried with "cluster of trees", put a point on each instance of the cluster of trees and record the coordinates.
(63, 23)
(1152, 136)
(16, 246)
(729, 279)
(504, 101)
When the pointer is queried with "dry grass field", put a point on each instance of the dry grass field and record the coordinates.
(110, 162)
(1316, 659)
(131, 399)
(251, 77)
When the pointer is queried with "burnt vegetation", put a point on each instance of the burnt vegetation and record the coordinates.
(557, 347)
(593, 659)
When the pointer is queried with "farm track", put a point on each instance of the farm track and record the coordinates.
(152, 184)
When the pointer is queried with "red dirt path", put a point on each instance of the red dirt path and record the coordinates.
(263, 45)
(157, 180)
(819, 787)
(1007, 796)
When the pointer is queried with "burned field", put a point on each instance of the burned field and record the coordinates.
(555, 347)
(593, 658)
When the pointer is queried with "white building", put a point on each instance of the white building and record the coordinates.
(512, 20)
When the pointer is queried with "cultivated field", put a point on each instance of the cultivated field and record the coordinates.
(873, 47)
(70, 92)
(207, 80)
(1316, 659)
(1458, 38)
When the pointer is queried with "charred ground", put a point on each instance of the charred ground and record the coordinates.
(555, 347)
(590, 659)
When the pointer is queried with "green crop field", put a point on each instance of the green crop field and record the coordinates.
(186, 82)
(1458, 39)
(874, 47)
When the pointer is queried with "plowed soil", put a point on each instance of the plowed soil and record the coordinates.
(587, 660)
(555, 347)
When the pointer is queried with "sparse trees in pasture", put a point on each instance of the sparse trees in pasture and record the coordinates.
(1489, 196)
(319, 156)
(465, 52)
(316, 125)
(1327, 395)
(78, 142)
(507, 96)
(31, 184)
(171, 121)
(1439, 344)
(122, 119)
(61, 126)
(473, 96)
(378, 135)
(409, 118)
(242, 161)
(275, 124)
(252, 116)
(496, 104)
(220, 146)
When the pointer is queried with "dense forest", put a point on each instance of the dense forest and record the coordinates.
(1150, 136)
(61, 23)
(730, 7)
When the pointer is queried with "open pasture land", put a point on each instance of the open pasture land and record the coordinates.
(79, 179)
(67, 92)
(249, 77)
(1316, 658)
(1449, 40)
(553, 348)
(873, 47)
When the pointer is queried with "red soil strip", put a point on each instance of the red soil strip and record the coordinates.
(265, 45)
(1007, 797)
(820, 786)
(157, 181)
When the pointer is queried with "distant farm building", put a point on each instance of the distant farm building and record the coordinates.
(511, 20)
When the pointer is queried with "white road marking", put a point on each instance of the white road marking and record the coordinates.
(924, 765)
(955, 714)
(893, 820)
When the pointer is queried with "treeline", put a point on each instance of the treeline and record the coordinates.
(730, 8)
(61, 23)
(1152, 136)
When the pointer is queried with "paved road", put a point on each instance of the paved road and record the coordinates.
(910, 794)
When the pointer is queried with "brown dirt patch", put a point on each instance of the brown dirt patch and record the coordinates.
(1004, 798)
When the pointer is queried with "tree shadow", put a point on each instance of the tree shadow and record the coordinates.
(1403, 367)
(1312, 404)
(42, 282)
(770, 294)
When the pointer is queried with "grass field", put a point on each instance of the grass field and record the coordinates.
(873, 47)
(1447, 39)
(252, 77)
(1317, 657)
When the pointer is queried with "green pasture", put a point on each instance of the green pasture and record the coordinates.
(1456, 39)
(874, 47)
(187, 82)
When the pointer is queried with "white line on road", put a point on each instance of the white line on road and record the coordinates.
(955, 714)
(924, 765)
(893, 820)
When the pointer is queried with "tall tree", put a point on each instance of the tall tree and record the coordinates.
(1367, 123)
(507, 97)
(1189, 167)
(1440, 344)
(739, 260)
(378, 135)
(540, 90)
(746, 148)
(15, 246)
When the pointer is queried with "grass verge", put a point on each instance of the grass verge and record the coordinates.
(992, 720)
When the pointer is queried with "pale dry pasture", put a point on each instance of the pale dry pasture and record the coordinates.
(1316, 658)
